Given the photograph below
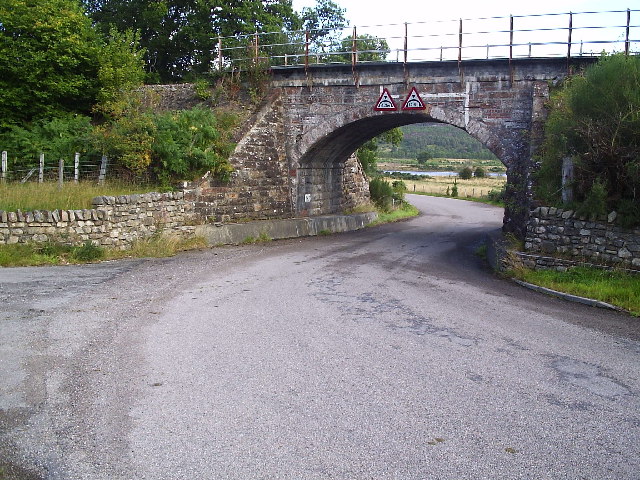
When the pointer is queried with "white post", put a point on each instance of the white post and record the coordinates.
(4, 166)
(41, 171)
(76, 167)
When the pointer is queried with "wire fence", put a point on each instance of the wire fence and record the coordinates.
(79, 168)
(567, 34)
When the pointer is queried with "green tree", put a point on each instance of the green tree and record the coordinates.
(423, 157)
(369, 48)
(121, 67)
(479, 172)
(179, 35)
(324, 22)
(367, 153)
(48, 59)
(595, 119)
(466, 173)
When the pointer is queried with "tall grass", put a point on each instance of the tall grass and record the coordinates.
(72, 196)
(615, 287)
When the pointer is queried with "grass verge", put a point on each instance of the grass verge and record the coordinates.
(618, 288)
(35, 254)
(405, 211)
(73, 196)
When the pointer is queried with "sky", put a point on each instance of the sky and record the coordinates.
(365, 13)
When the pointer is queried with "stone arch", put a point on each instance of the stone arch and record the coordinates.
(323, 151)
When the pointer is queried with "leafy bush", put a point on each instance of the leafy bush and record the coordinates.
(381, 193)
(479, 172)
(87, 252)
(191, 142)
(497, 195)
(454, 190)
(595, 119)
(58, 137)
(466, 173)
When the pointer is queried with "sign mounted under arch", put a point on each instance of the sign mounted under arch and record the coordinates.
(385, 103)
(413, 101)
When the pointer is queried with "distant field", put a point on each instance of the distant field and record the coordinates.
(439, 164)
(473, 188)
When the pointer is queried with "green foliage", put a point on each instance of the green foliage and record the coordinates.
(48, 59)
(127, 138)
(497, 196)
(399, 189)
(367, 153)
(424, 157)
(121, 67)
(454, 189)
(59, 137)
(87, 252)
(369, 48)
(323, 23)
(466, 173)
(595, 203)
(381, 192)
(178, 35)
(595, 119)
(191, 142)
(479, 172)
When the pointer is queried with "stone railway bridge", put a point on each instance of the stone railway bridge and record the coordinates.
(296, 157)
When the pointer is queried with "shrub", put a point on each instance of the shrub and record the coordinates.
(595, 203)
(479, 172)
(466, 173)
(454, 190)
(381, 193)
(595, 119)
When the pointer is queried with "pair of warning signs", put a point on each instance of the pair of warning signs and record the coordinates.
(412, 102)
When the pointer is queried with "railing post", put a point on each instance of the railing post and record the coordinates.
(460, 42)
(510, 38)
(354, 49)
(76, 167)
(306, 50)
(626, 38)
(406, 41)
(569, 40)
(4, 166)
(219, 53)
(41, 170)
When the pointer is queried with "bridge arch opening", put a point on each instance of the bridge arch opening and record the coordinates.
(328, 171)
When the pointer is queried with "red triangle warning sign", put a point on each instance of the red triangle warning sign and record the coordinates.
(413, 101)
(385, 102)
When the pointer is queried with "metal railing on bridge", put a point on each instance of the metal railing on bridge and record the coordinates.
(567, 34)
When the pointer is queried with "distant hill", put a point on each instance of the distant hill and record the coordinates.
(440, 140)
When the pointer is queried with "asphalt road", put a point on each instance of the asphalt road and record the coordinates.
(388, 353)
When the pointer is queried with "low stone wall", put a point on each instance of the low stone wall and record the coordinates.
(114, 221)
(552, 231)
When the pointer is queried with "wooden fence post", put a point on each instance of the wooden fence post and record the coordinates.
(4, 167)
(41, 169)
(103, 170)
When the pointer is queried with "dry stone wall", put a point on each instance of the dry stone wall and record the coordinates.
(114, 221)
(552, 231)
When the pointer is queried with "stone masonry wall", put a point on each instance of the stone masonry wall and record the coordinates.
(555, 231)
(114, 221)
